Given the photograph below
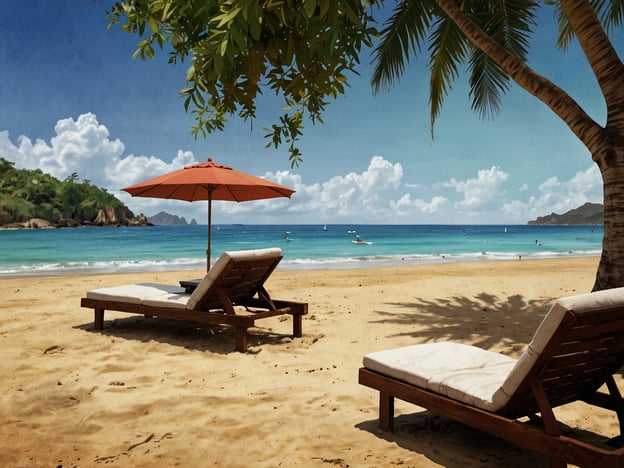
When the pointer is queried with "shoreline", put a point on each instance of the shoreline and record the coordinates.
(363, 276)
(294, 266)
(146, 392)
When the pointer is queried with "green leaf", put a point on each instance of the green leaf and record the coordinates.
(152, 24)
(309, 7)
(190, 73)
(255, 29)
(227, 17)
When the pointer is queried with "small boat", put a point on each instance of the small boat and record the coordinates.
(350, 232)
(325, 227)
(360, 241)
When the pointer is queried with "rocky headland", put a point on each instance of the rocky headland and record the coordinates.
(589, 213)
(105, 217)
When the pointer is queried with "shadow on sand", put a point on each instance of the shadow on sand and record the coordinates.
(486, 321)
(197, 337)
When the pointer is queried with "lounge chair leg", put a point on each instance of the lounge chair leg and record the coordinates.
(98, 322)
(240, 337)
(386, 411)
(297, 326)
(618, 403)
(548, 417)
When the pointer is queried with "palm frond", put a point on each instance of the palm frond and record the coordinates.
(448, 49)
(487, 84)
(509, 23)
(404, 34)
(609, 12)
(566, 33)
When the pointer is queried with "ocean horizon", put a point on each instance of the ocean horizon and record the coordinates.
(331, 246)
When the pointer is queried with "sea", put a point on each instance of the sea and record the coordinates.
(331, 246)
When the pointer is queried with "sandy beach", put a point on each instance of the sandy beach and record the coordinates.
(156, 392)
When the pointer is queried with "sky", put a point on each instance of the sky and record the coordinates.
(72, 99)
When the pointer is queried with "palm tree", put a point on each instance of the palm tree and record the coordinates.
(491, 37)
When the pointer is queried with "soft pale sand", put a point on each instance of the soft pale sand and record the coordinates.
(154, 392)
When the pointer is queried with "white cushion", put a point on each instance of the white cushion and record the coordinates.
(475, 376)
(222, 261)
(168, 301)
(133, 293)
(466, 373)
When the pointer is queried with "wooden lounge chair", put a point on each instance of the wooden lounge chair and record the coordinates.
(577, 349)
(236, 281)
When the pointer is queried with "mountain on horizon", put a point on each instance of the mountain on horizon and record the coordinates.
(164, 218)
(589, 213)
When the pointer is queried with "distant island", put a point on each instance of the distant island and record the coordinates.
(589, 213)
(31, 199)
(163, 218)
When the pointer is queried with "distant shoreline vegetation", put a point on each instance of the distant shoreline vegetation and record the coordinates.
(33, 199)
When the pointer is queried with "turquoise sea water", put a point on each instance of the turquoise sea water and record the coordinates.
(125, 249)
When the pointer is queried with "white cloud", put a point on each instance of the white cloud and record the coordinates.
(80, 146)
(83, 146)
(406, 207)
(377, 194)
(557, 196)
(481, 193)
(132, 169)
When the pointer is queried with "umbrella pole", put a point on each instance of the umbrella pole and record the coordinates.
(209, 231)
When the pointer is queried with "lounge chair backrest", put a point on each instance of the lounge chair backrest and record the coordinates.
(240, 274)
(578, 345)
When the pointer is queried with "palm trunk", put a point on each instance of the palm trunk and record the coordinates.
(610, 272)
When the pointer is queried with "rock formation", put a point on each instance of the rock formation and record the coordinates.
(105, 217)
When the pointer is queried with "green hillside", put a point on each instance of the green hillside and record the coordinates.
(26, 194)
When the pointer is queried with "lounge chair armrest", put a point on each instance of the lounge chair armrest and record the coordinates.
(296, 308)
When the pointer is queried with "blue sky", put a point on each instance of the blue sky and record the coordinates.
(73, 100)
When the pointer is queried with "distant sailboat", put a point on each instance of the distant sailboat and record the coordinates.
(325, 227)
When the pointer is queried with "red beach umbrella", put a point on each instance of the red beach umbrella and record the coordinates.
(208, 181)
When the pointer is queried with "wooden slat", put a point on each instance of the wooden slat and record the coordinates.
(611, 344)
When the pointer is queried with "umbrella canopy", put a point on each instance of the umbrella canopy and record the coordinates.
(208, 181)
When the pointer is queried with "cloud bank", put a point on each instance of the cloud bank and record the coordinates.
(376, 195)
